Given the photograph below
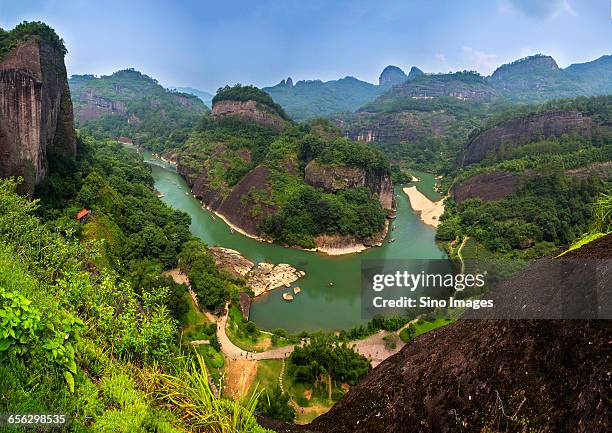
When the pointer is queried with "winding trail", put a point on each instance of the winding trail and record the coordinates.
(374, 347)
(465, 238)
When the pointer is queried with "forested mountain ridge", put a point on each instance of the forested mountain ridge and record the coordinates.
(314, 98)
(130, 104)
(536, 78)
(525, 182)
(247, 161)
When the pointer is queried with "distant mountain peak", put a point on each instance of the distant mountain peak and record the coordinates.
(391, 76)
(538, 62)
(414, 72)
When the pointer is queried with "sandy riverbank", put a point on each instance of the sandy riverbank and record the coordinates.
(330, 251)
(430, 211)
(234, 227)
(333, 251)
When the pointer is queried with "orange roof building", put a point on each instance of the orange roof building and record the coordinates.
(82, 214)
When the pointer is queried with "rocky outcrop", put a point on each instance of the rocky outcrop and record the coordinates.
(393, 127)
(523, 130)
(250, 110)
(391, 75)
(240, 204)
(505, 74)
(93, 106)
(535, 78)
(336, 178)
(262, 277)
(490, 186)
(35, 111)
(231, 261)
(460, 85)
(415, 72)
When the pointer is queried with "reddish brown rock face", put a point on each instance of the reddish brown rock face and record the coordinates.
(35, 111)
(250, 110)
(486, 186)
(336, 178)
(524, 130)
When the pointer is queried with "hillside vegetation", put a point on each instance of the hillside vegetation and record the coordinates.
(133, 105)
(314, 98)
(559, 178)
(233, 150)
(94, 327)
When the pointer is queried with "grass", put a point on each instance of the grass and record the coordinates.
(261, 342)
(267, 374)
(190, 397)
(423, 326)
(194, 323)
(588, 238)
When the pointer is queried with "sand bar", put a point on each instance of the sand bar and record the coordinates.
(430, 211)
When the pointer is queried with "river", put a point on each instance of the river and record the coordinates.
(319, 306)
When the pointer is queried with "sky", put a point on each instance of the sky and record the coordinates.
(208, 44)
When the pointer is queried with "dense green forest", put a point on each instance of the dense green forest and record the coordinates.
(552, 204)
(546, 211)
(93, 325)
(143, 110)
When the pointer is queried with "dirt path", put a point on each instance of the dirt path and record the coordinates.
(239, 375)
(459, 253)
(374, 347)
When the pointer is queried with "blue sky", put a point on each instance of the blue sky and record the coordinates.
(207, 44)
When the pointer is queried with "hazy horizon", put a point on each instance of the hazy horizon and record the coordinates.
(206, 45)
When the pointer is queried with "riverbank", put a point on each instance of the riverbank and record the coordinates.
(429, 211)
(326, 250)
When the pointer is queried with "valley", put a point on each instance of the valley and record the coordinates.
(318, 306)
(173, 260)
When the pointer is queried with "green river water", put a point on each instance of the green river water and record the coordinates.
(319, 306)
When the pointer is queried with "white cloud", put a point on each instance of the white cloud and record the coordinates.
(540, 9)
(441, 57)
(483, 62)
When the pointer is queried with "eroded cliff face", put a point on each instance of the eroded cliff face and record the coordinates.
(393, 127)
(336, 178)
(250, 110)
(35, 111)
(95, 106)
(240, 205)
(524, 130)
(486, 186)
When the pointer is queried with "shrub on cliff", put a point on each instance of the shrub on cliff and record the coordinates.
(28, 30)
(248, 93)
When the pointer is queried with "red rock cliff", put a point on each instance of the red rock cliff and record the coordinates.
(35, 111)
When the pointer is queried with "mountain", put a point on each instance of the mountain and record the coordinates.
(390, 76)
(595, 76)
(133, 105)
(203, 95)
(315, 98)
(459, 85)
(35, 108)
(274, 179)
(425, 120)
(535, 78)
